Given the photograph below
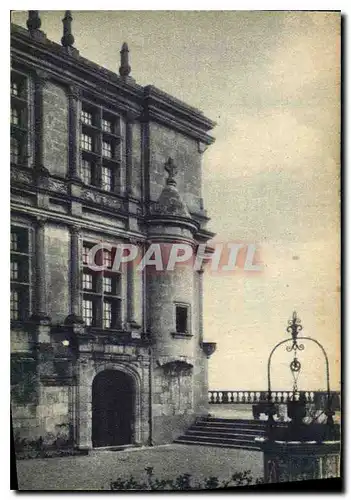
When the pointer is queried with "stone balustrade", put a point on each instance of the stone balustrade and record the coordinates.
(319, 398)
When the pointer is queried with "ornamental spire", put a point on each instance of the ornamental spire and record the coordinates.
(172, 170)
(68, 39)
(124, 69)
(33, 21)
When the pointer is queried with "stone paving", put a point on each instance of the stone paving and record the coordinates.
(97, 470)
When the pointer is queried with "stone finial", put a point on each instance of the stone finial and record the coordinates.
(172, 170)
(33, 21)
(124, 69)
(68, 39)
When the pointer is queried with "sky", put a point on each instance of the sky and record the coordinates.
(271, 81)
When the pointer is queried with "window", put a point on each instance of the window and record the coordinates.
(14, 270)
(19, 118)
(87, 281)
(106, 179)
(14, 305)
(87, 117)
(106, 125)
(101, 291)
(14, 88)
(87, 142)
(14, 116)
(14, 241)
(15, 150)
(107, 284)
(88, 312)
(86, 169)
(100, 147)
(107, 314)
(106, 149)
(107, 262)
(182, 325)
(20, 273)
(86, 259)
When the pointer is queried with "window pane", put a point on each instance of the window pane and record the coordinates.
(87, 281)
(87, 117)
(14, 271)
(14, 241)
(14, 88)
(107, 284)
(106, 126)
(14, 116)
(181, 319)
(19, 239)
(106, 149)
(86, 171)
(14, 305)
(88, 312)
(14, 150)
(107, 318)
(107, 262)
(86, 259)
(106, 179)
(86, 142)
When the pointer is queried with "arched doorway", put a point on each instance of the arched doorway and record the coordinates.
(112, 408)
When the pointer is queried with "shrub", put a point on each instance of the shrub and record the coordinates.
(181, 482)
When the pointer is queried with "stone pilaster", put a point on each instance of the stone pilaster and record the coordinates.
(39, 83)
(73, 118)
(40, 315)
(74, 317)
(129, 153)
(200, 274)
(132, 323)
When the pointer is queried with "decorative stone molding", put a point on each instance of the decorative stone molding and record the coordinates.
(201, 147)
(105, 200)
(185, 335)
(74, 92)
(21, 176)
(174, 367)
(165, 360)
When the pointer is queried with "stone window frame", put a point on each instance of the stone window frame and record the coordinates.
(21, 288)
(188, 332)
(99, 156)
(98, 295)
(20, 105)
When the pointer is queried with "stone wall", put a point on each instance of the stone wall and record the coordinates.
(55, 137)
(57, 256)
(165, 143)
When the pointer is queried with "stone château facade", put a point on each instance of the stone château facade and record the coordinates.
(101, 358)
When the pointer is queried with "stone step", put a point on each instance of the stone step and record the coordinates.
(226, 432)
(229, 428)
(216, 439)
(234, 421)
(199, 432)
(220, 444)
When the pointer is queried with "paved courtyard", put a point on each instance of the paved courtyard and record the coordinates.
(96, 471)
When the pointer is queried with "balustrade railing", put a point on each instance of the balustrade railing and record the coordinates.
(319, 398)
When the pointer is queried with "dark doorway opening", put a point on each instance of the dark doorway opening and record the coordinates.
(112, 408)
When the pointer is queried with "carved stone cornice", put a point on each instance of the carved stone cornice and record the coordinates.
(131, 117)
(75, 229)
(41, 77)
(174, 113)
(74, 92)
(40, 221)
(124, 93)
